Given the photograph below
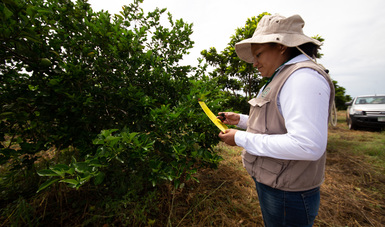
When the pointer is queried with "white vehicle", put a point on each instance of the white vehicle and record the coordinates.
(367, 111)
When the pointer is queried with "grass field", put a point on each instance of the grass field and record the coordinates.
(353, 193)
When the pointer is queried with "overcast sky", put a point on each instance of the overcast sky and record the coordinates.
(354, 31)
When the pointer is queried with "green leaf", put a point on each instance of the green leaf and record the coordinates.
(31, 11)
(148, 54)
(54, 52)
(96, 163)
(98, 141)
(85, 179)
(47, 173)
(82, 167)
(30, 37)
(59, 172)
(61, 166)
(106, 133)
(4, 115)
(132, 136)
(70, 171)
(72, 182)
(45, 62)
(8, 13)
(112, 140)
(42, 11)
(46, 184)
(99, 178)
(62, 169)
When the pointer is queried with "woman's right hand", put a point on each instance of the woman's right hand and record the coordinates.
(230, 118)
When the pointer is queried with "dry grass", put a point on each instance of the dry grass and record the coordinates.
(354, 190)
(223, 197)
(353, 193)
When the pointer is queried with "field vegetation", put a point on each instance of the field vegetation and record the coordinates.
(100, 126)
(353, 193)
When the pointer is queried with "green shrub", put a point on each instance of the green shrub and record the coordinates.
(108, 90)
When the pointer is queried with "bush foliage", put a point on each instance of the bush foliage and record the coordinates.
(109, 89)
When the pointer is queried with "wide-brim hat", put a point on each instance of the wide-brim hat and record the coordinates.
(275, 29)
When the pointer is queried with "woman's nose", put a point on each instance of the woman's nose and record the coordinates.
(255, 62)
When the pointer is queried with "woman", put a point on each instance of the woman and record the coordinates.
(285, 141)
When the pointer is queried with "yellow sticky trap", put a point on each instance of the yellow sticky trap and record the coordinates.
(212, 117)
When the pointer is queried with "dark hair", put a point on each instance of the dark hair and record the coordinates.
(310, 49)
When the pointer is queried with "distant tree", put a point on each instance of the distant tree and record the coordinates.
(241, 79)
(341, 98)
(235, 75)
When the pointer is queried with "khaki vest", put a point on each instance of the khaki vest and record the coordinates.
(265, 118)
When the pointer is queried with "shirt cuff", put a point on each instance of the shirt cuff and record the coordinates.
(240, 138)
(242, 121)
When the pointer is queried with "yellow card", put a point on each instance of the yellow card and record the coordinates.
(212, 117)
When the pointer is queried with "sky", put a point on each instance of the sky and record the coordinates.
(354, 31)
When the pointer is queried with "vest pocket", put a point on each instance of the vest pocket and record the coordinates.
(248, 161)
(257, 116)
(258, 101)
(268, 170)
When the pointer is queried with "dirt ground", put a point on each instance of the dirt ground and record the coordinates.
(352, 194)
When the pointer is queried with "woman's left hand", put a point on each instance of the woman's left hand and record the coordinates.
(228, 137)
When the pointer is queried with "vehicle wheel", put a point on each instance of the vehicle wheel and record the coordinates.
(352, 126)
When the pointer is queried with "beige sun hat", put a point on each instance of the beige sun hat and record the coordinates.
(275, 29)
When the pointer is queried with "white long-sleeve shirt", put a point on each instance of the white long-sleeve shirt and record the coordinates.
(304, 103)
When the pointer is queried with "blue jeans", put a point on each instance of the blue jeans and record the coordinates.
(283, 208)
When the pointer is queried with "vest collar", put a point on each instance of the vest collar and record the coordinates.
(299, 58)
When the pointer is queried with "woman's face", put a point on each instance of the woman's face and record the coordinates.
(268, 57)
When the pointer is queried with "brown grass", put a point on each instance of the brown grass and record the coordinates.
(224, 197)
(352, 194)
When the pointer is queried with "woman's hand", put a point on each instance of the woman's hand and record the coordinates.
(229, 118)
(228, 137)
